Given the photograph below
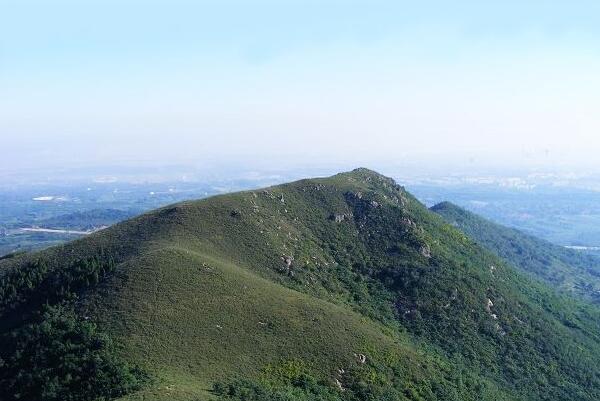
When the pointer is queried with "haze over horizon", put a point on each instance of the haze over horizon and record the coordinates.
(300, 83)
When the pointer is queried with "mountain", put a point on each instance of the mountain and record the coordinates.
(339, 288)
(568, 270)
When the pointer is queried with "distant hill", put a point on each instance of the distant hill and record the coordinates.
(565, 269)
(341, 289)
(86, 220)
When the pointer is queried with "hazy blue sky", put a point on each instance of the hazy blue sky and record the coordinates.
(514, 82)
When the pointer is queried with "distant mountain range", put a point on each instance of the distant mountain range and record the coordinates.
(340, 288)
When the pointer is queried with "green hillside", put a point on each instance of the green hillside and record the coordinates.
(340, 288)
(565, 269)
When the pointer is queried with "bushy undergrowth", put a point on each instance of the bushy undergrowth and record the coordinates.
(35, 283)
(370, 381)
(47, 351)
(59, 356)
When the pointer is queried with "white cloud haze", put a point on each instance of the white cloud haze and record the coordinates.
(346, 81)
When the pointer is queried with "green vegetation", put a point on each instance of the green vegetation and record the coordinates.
(47, 351)
(293, 291)
(35, 284)
(85, 220)
(59, 357)
(391, 381)
(565, 269)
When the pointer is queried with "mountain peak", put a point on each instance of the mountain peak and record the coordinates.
(367, 176)
(445, 205)
(366, 172)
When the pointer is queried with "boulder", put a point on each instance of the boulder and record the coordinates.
(287, 260)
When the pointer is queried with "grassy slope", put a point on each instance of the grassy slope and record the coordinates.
(190, 320)
(187, 268)
(562, 268)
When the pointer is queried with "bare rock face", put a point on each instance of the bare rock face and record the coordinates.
(425, 251)
(340, 217)
(408, 222)
(355, 195)
(287, 260)
(362, 358)
(488, 305)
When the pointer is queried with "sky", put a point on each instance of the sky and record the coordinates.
(504, 83)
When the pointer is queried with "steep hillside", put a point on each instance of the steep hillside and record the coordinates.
(340, 288)
(565, 269)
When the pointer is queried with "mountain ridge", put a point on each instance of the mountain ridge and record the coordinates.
(567, 270)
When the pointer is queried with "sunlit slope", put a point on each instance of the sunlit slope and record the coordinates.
(190, 320)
